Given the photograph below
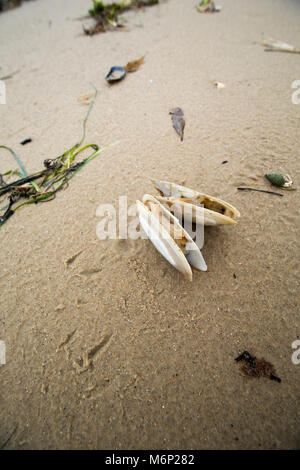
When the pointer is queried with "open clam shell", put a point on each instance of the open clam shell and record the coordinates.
(169, 237)
(194, 206)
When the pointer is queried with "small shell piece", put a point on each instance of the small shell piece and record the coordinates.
(115, 74)
(219, 85)
(194, 206)
(169, 237)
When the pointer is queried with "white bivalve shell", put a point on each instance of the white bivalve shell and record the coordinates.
(169, 237)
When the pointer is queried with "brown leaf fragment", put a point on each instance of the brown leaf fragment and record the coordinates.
(86, 99)
(178, 121)
(134, 65)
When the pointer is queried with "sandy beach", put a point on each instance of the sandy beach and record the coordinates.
(107, 345)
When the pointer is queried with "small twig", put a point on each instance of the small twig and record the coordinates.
(260, 191)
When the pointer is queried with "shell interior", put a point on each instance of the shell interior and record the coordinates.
(169, 237)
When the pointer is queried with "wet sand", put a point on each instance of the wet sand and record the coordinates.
(116, 350)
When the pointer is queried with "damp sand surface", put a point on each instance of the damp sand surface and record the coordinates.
(107, 346)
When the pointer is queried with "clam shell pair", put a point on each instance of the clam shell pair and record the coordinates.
(159, 217)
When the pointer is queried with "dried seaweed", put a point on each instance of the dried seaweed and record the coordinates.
(55, 176)
(107, 14)
(178, 121)
(207, 6)
(117, 73)
(2, 446)
(281, 181)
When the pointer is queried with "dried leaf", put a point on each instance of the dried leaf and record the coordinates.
(178, 121)
(134, 65)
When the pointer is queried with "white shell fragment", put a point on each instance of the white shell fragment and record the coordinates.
(219, 85)
(162, 219)
(196, 207)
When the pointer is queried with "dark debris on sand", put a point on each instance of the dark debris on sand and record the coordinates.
(253, 367)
